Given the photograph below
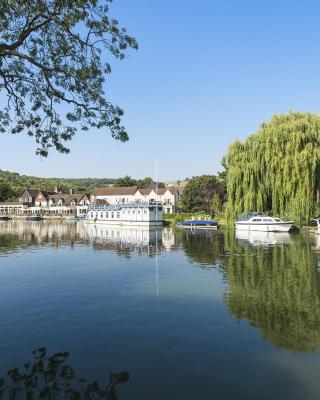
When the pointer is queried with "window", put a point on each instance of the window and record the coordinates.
(256, 220)
(101, 215)
(145, 211)
(277, 219)
(92, 215)
(118, 214)
(133, 211)
(112, 215)
(107, 215)
(139, 211)
(128, 211)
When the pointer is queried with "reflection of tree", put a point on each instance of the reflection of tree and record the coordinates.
(203, 247)
(51, 378)
(277, 290)
(9, 243)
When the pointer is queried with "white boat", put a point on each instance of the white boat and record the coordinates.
(263, 223)
(318, 225)
(137, 213)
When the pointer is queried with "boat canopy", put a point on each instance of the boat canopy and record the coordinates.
(251, 214)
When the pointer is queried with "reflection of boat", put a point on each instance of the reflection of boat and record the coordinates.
(263, 223)
(128, 235)
(4, 218)
(199, 224)
(34, 218)
(257, 238)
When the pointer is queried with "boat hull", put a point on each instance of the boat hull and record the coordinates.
(199, 224)
(35, 218)
(122, 223)
(268, 227)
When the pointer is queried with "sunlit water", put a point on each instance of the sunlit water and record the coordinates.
(190, 315)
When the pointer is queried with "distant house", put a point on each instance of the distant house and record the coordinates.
(114, 195)
(169, 197)
(28, 196)
(55, 202)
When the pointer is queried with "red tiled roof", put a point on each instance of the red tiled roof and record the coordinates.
(115, 191)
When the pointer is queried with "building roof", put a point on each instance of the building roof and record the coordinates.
(67, 198)
(161, 191)
(115, 191)
(31, 192)
(99, 202)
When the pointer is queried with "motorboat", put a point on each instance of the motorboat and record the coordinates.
(263, 223)
(34, 218)
(318, 224)
(199, 224)
(4, 218)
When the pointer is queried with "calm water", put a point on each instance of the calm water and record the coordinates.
(189, 315)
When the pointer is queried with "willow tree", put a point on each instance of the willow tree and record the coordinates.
(277, 169)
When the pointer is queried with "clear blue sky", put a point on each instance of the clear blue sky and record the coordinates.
(207, 72)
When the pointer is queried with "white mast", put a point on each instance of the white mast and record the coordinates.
(157, 265)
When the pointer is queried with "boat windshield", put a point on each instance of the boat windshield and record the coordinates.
(277, 219)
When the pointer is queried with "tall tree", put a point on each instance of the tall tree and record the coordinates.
(277, 169)
(125, 181)
(199, 193)
(53, 67)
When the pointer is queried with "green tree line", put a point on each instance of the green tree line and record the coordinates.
(12, 184)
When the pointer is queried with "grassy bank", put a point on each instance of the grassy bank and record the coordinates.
(172, 219)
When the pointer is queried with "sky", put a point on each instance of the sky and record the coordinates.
(206, 73)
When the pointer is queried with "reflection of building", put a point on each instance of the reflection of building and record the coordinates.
(33, 232)
(169, 197)
(142, 239)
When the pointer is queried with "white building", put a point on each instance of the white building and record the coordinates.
(169, 197)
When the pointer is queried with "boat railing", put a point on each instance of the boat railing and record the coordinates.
(115, 207)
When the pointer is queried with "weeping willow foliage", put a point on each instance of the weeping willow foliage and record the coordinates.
(277, 169)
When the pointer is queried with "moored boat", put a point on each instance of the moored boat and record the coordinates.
(318, 225)
(263, 223)
(34, 218)
(199, 224)
(4, 218)
(131, 213)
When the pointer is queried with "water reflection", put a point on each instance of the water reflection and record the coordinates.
(272, 280)
(276, 290)
(264, 238)
(203, 247)
(50, 377)
(15, 235)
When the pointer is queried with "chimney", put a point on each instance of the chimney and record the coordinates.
(72, 191)
(57, 189)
